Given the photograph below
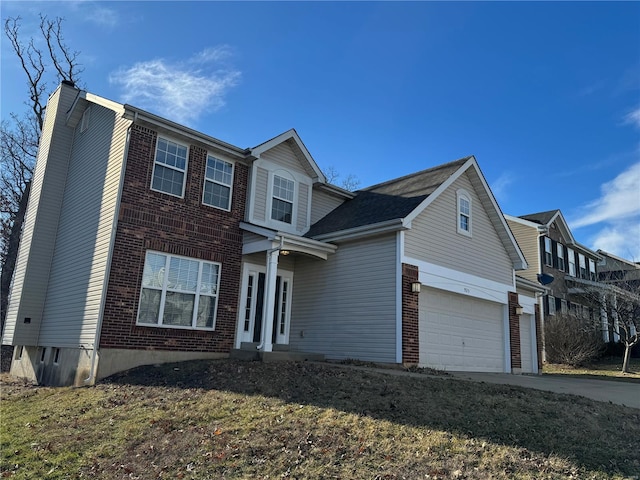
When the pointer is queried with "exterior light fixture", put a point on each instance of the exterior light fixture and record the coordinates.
(415, 287)
(519, 310)
(284, 252)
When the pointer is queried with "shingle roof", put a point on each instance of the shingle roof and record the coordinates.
(542, 217)
(390, 200)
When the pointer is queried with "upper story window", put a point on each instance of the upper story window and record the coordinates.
(592, 270)
(282, 201)
(178, 292)
(218, 180)
(169, 168)
(560, 253)
(464, 212)
(583, 265)
(572, 262)
(548, 252)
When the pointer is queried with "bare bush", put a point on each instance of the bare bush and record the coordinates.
(572, 340)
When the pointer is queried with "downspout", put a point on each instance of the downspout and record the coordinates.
(105, 283)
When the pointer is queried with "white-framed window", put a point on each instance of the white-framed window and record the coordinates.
(282, 201)
(218, 181)
(564, 307)
(178, 292)
(464, 212)
(551, 304)
(84, 121)
(169, 167)
(572, 262)
(592, 270)
(583, 266)
(560, 254)
(548, 252)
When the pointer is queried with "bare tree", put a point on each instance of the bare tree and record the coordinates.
(45, 61)
(620, 309)
(332, 175)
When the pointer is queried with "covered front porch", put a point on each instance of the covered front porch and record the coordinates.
(267, 289)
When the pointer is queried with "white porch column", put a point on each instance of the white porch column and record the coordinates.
(614, 314)
(269, 299)
(603, 318)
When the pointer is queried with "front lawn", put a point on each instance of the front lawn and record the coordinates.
(607, 368)
(228, 419)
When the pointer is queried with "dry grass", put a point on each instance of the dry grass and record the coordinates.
(608, 368)
(226, 419)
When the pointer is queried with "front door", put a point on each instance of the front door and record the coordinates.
(251, 318)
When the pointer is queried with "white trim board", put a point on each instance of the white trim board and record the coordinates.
(450, 280)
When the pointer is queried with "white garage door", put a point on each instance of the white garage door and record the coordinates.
(460, 333)
(526, 353)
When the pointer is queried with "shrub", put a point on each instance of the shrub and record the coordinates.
(571, 340)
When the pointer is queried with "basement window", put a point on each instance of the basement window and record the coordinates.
(19, 351)
(56, 356)
(43, 354)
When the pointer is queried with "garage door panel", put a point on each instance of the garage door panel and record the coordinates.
(526, 353)
(460, 333)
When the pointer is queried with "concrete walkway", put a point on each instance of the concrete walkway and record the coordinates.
(621, 393)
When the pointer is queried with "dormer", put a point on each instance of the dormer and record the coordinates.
(282, 177)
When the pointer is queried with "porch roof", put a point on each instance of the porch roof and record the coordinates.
(285, 242)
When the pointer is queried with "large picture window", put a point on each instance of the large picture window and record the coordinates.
(282, 202)
(178, 292)
(169, 168)
(217, 183)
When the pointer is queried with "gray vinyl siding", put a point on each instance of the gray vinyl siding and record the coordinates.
(284, 156)
(87, 220)
(345, 307)
(302, 222)
(322, 203)
(527, 238)
(260, 195)
(41, 223)
(433, 238)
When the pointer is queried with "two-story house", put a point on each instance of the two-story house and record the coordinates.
(551, 249)
(146, 242)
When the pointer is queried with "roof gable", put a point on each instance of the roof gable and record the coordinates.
(293, 141)
(406, 197)
(546, 219)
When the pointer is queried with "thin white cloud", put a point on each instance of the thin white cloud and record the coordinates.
(104, 16)
(181, 91)
(633, 118)
(620, 199)
(501, 185)
(615, 216)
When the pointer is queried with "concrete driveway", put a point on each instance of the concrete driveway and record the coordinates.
(622, 393)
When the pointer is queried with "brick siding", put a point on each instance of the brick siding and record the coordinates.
(514, 331)
(150, 220)
(410, 305)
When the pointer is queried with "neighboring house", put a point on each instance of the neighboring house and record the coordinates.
(550, 249)
(618, 271)
(148, 242)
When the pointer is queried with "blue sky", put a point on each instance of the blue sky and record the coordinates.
(546, 95)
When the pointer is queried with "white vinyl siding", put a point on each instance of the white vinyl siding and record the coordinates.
(284, 155)
(303, 198)
(260, 186)
(346, 307)
(460, 333)
(87, 219)
(434, 238)
(41, 223)
(527, 238)
(322, 203)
